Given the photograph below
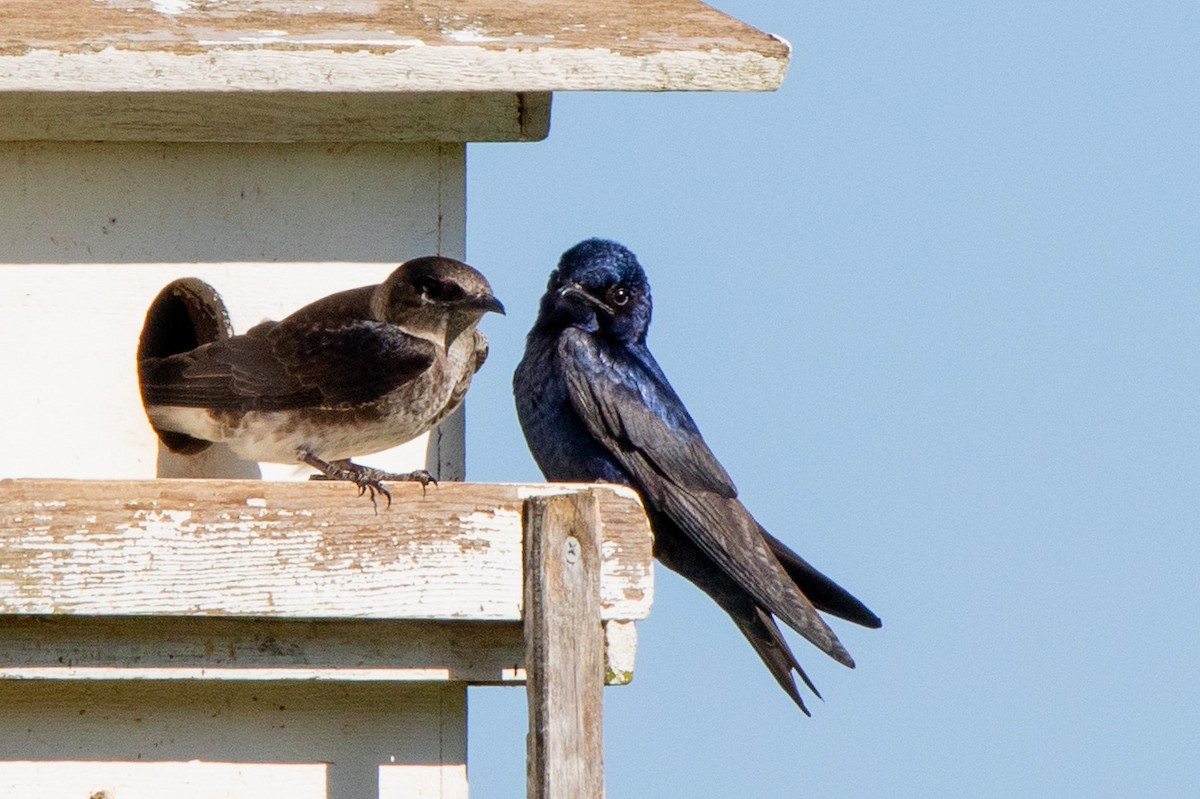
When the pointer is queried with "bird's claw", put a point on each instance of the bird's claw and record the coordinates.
(375, 487)
(376, 477)
(368, 479)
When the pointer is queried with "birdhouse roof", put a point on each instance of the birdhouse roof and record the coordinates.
(380, 46)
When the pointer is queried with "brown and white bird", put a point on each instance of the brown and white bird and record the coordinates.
(354, 373)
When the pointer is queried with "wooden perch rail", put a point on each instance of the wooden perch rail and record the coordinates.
(234, 582)
(251, 548)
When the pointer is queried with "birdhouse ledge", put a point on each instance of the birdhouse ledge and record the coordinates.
(430, 588)
(300, 643)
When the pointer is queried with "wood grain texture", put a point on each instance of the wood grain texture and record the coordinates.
(369, 116)
(217, 648)
(564, 644)
(387, 45)
(290, 550)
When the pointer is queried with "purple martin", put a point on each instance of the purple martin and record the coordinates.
(353, 373)
(594, 405)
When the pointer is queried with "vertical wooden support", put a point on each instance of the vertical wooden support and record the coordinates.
(564, 647)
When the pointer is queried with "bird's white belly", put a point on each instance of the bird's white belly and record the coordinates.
(277, 436)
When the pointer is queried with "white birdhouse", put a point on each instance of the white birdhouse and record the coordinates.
(232, 638)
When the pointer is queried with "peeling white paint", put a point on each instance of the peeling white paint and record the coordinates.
(171, 6)
(527, 490)
(486, 523)
(469, 35)
(620, 649)
(176, 557)
(407, 66)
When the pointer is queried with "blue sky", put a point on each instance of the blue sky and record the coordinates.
(934, 305)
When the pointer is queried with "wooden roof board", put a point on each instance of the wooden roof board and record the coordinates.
(381, 45)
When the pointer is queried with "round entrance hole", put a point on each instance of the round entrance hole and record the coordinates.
(186, 314)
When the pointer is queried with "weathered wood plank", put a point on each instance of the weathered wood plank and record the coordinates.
(564, 645)
(290, 550)
(87, 779)
(372, 116)
(388, 45)
(212, 648)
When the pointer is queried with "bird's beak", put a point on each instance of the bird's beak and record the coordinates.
(577, 291)
(488, 303)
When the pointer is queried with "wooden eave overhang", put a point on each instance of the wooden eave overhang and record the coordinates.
(176, 58)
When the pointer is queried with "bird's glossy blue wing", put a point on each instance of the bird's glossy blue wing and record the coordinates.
(630, 409)
(628, 403)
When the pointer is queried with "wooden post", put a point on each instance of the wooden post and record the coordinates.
(564, 647)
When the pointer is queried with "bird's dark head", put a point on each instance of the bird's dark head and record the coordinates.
(598, 286)
(435, 293)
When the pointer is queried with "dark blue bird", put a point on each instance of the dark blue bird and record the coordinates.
(594, 405)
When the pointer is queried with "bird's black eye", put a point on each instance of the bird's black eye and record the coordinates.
(619, 295)
(428, 286)
(436, 290)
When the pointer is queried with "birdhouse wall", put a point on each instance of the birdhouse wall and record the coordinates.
(233, 739)
(91, 232)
